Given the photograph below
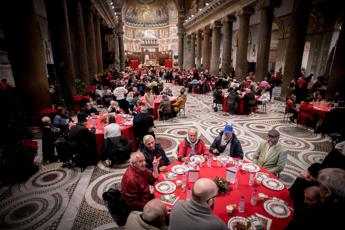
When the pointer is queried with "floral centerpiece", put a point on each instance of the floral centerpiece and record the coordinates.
(104, 120)
(223, 185)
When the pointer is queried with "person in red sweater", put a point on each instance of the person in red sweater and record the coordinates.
(191, 145)
(136, 180)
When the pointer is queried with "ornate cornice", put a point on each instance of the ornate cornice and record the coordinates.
(104, 11)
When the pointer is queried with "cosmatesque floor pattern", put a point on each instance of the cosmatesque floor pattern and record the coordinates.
(61, 198)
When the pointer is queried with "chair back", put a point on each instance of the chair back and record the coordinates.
(116, 205)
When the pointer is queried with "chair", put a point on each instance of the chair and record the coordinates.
(252, 106)
(287, 113)
(117, 206)
(182, 107)
(263, 106)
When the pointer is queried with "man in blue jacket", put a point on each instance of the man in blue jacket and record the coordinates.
(226, 143)
(151, 150)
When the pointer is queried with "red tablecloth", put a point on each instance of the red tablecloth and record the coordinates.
(126, 131)
(312, 111)
(233, 196)
(168, 63)
(134, 64)
(156, 103)
(240, 107)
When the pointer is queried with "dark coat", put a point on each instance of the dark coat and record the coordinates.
(49, 136)
(142, 122)
(235, 148)
(149, 156)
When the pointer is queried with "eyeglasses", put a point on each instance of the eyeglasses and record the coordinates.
(270, 136)
(211, 198)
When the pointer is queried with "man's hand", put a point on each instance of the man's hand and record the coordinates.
(155, 162)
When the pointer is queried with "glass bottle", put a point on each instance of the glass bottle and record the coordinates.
(254, 198)
(251, 179)
(241, 205)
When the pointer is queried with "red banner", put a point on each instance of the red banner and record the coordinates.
(168, 63)
(134, 64)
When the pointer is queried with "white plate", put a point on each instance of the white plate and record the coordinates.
(224, 158)
(165, 187)
(232, 222)
(276, 208)
(179, 169)
(273, 184)
(197, 158)
(250, 167)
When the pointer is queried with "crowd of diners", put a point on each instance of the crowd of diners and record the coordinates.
(320, 190)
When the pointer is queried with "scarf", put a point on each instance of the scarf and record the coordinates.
(192, 146)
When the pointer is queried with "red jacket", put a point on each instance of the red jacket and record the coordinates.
(184, 148)
(135, 187)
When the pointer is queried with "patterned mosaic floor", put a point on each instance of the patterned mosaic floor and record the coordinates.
(60, 198)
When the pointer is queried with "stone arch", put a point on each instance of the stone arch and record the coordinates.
(316, 21)
(279, 25)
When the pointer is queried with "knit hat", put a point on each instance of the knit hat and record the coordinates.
(228, 129)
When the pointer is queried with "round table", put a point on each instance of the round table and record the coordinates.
(234, 195)
(126, 130)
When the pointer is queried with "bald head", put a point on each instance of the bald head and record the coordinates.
(204, 189)
(154, 211)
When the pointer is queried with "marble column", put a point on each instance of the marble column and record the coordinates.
(79, 43)
(206, 49)
(121, 45)
(241, 56)
(215, 50)
(98, 43)
(62, 49)
(198, 49)
(116, 51)
(295, 46)
(265, 31)
(27, 56)
(227, 43)
(192, 51)
(180, 34)
(90, 41)
(336, 79)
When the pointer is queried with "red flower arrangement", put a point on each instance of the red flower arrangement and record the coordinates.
(27, 147)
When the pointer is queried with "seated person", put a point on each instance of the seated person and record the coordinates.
(180, 102)
(226, 143)
(114, 107)
(191, 145)
(89, 109)
(196, 213)
(271, 155)
(164, 107)
(151, 150)
(291, 107)
(167, 91)
(136, 180)
(142, 125)
(49, 135)
(232, 101)
(265, 97)
(112, 129)
(248, 98)
(152, 217)
(61, 119)
(81, 141)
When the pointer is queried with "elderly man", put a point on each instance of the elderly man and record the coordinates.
(152, 217)
(136, 180)
(226, 143)
(191, 145)
(270, 154)
(152, 150)
(196, 213)
(89, 109)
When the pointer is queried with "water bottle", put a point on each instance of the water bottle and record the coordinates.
(254, 198)
(209, 161)
(251, 179)
(184, 179)
(189, 193)
(236, 184)
(241, 205)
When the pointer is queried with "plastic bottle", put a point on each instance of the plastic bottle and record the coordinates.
(251, 179)
(254, 198)
(241, 205)
(209, 161)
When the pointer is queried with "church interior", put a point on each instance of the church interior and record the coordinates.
(57, 54)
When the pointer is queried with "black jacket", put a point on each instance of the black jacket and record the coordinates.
(235, 148)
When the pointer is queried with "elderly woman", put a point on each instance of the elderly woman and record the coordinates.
(114, 107)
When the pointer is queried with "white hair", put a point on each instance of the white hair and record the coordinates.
(133, 157)
(153, 210)
(334, 180)
(146, 138)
